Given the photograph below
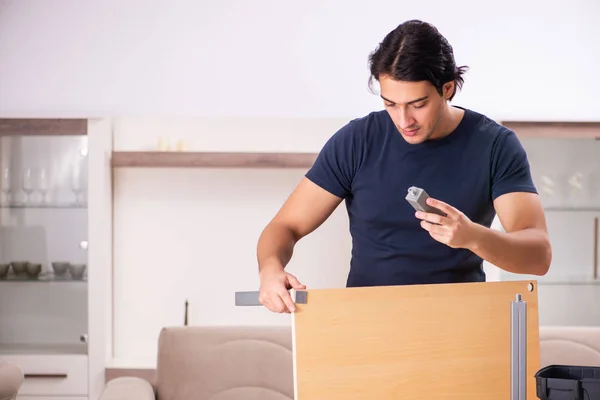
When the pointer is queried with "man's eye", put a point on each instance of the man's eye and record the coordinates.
(421, 105)
(389, 105)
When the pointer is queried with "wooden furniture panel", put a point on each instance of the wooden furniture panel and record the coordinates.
(448, 341)
(211, 159)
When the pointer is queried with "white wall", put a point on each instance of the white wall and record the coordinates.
(257, 59)
(192, 233)
(274, 58)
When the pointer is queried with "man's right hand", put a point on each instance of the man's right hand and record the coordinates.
(274, 286)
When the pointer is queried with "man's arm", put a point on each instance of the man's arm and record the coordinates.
(525, 246)
(318, 194)
(305, 210)
(523, 249)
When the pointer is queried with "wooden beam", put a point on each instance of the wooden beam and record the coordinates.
(554, 129)
(42, 126)
(211, 159)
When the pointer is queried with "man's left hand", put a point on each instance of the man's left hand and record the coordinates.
(455, 230)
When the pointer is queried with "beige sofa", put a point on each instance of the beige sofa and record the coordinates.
(217, 363)
(252, 363)
(570, 345)
(11, 379)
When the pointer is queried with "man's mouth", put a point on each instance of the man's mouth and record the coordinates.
(411, 132)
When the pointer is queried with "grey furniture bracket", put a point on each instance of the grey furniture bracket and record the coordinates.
(518, 347)
(250, 298)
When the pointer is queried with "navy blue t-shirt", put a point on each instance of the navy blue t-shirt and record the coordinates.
(370, 165)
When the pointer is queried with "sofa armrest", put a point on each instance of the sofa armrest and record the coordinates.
(11, 379)
(128, 388)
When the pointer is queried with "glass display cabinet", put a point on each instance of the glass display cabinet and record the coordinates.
(44, 254)
(566, 172)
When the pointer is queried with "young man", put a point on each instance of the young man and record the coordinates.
(471, 167)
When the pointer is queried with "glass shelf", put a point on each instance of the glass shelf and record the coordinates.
(44, 206)
(566, 282)
(580, 209)
(553, 280)
(26, 348)
(44, 277)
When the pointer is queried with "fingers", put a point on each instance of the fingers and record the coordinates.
(452, 214)
(278, 301)
(440, 238)
(274, 293)
(293, 281)
(434, 229)
(274, 302)
(432, 218)
(440, 205)
(287, 300)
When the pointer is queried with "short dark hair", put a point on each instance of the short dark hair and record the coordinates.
(416, 51)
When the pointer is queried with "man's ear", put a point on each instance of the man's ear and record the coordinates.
(448, 89)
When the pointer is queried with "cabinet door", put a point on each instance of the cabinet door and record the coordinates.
(43, 239)
(569, 304)
(574, 244)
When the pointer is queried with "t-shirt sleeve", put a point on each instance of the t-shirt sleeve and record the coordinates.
(335, 166)
(510, 168)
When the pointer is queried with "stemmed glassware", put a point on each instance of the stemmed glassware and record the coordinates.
(43, 184)
(76, 185)
(6, 185)
(27, 184)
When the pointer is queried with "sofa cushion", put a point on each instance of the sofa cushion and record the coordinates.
(225, 363)
(128, 387)
(569, 345)
(11, 379)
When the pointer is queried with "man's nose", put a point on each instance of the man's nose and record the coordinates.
(405, 120)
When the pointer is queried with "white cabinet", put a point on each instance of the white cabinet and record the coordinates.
(52, 375)
(55, 200)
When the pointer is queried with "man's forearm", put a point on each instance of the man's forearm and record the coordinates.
(275, 246)
(524, 252)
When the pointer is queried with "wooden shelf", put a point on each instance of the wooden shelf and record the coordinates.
(42, 126)
(184, 159)
(540, 129)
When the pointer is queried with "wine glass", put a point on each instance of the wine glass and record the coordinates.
(43, 184)
(27, 185)
(6, 184)
(76, 185)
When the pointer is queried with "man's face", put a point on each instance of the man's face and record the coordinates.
(416, 108)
